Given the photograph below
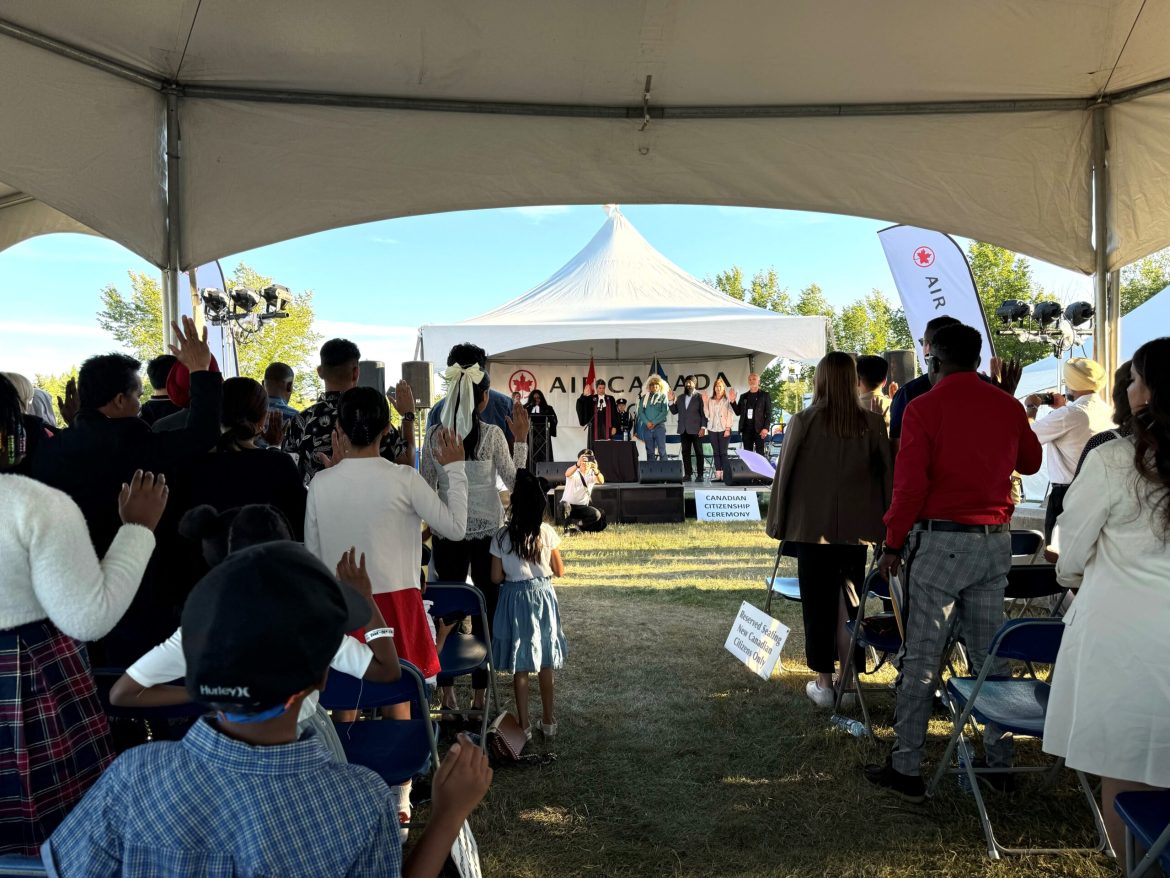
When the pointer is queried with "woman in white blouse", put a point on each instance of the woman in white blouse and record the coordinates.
(54, 594)
(488, 465)
(1109, 711)
(720, 418)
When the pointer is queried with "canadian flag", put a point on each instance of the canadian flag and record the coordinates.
(591, 377)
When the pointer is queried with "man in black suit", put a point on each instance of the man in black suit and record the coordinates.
(692, 426)
(107, 442)
(597, 413)
(755, 416)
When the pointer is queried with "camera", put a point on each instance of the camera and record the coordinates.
(1047, 398)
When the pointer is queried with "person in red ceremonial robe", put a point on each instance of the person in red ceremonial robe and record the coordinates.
(597, 413)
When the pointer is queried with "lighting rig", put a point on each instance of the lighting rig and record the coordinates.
(1044, 322)
(237, 308)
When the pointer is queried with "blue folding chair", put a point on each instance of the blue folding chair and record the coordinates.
(673, 446)
(788, 587)
(464, 653)
(396, 749)
(17, 866)
(1026, 545)
(1029, 582)
(105, 679)
(1016, 705)
(882, 633)
(1147, 820)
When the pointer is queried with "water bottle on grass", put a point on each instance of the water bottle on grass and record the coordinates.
(854, 727)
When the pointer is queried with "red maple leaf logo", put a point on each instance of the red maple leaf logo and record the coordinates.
(924, 257)
(523, 381)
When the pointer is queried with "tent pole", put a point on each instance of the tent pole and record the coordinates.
(170, 302)
(1104, 329)
(1115, 323)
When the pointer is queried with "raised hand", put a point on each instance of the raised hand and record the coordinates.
(588, 390)
(670, 396)
(448, 446)
(518, 423)
(1005, 374)
(192, 350)
(353, 573)
(336, 451)
(143, 500)
(71, 404)
(731, 394)
(875, 405)
(403, 398)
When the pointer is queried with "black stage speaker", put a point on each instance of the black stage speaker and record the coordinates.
(655, 472)
(902, 366)
(553, 471)
(657, 504)
(738, 474)
(372, 373)
(421, 377)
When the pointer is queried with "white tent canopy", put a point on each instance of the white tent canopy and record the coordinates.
(619, 299)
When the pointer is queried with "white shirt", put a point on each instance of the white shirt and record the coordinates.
(379, 507)
(576, 493)
(50, 569)
(166, 662)
(1066, 430)
(492, 467)
(516, 569)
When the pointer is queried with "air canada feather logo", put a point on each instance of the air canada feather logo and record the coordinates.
(924, 257)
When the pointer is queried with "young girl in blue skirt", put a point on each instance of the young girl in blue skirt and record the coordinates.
(526, 634)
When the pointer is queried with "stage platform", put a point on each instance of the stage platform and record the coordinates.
(634, 503)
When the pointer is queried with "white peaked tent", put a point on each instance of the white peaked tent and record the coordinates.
(190, 129)
(621, 300)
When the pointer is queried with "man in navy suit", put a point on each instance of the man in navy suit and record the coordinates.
(692, 426)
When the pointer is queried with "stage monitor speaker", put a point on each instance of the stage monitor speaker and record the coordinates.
(739, 474)
(420, 375)
(372, 373)
(902, 367)
(658, 504)
(659, 472)
(553, 471)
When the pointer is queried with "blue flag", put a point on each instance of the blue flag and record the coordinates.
(656, 369)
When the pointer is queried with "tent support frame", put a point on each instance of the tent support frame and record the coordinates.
(170, 303)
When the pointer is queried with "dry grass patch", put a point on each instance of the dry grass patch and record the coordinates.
(675, 761)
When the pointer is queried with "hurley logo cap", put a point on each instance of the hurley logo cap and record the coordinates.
(264, 625)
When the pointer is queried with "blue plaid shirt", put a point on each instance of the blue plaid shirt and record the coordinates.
(211, 805)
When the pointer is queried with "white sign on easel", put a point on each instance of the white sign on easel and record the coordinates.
(756, 640)
(465, 854)
(727, 506)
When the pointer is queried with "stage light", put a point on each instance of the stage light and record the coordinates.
(1046, 313)
(277, 296)
(244, 299)
(214, 301)
(1079, 313)
(1012, 311)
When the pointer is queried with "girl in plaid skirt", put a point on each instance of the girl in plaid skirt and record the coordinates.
(54, 594)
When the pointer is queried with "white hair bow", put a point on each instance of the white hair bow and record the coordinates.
(457, 410)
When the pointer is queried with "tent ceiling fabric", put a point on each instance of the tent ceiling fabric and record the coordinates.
(620, 299)
(89, 144)
(23, 217)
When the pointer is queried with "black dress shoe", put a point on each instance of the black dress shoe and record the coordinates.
(909, 787)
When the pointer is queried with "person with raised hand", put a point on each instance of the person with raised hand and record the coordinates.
(57, 593)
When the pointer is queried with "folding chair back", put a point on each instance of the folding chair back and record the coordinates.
(1026, 544)
(463, 653)
(105, 678)
(396, 749)
(1028, 640)
(883, 633)
(1146, 816)
(15, 865)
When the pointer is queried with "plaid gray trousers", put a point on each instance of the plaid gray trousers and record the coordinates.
(947, 573)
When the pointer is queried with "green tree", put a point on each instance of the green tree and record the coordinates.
(136, 321)
(1144, 279)
(871, 325)
(54, 385)
(763, 290)
(1001, 275)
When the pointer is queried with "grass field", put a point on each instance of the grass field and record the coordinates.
(674, 760)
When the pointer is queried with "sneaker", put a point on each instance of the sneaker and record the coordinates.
(822, 698)
(549, 730)
(909, 787)
(571, 529)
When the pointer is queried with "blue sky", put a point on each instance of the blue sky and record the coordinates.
(376, 283)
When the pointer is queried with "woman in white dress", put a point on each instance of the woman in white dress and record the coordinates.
(1109, 711)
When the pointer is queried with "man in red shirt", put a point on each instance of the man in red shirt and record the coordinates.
(950, 518)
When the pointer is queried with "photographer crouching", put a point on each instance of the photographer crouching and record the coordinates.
(579, 481)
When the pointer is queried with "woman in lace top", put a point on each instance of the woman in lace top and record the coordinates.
(487, 460)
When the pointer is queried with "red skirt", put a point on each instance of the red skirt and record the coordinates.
(403, 611)
(54, 739)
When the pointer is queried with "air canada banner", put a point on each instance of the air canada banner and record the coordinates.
(561, 384)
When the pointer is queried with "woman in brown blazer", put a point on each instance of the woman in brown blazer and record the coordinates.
(828, 498)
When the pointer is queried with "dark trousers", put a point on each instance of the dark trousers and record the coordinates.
(588, 518)
(752, 441)
(719, 444)
(453, 559)
(1053, 510)
(825, 572)
(691, 442)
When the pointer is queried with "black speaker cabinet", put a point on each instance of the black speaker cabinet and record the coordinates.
(372, 373)
(652, 472)
(739, 475)
(652, 503)
(901, 366)
(420, 375)
(553, 471)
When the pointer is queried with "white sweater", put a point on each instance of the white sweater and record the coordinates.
(50, 570)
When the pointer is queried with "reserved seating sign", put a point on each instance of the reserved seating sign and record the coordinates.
(727, 506)
(465, 854)
(756, 640)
